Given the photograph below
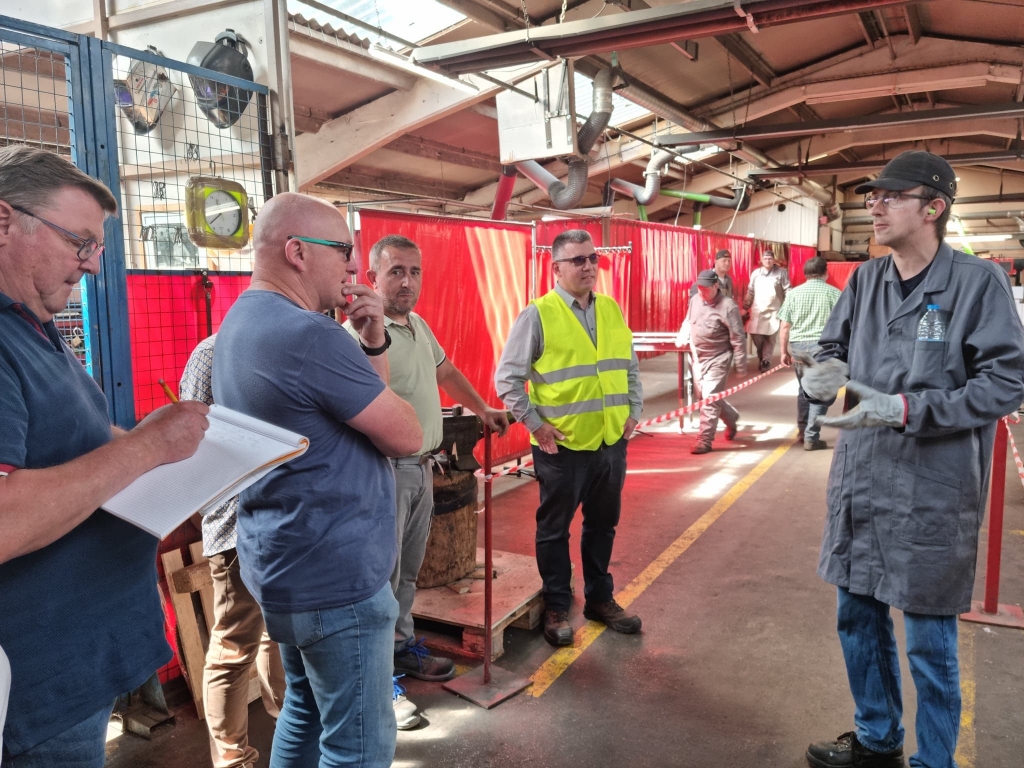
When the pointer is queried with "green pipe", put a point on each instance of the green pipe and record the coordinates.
(695, 197)
(642, 211)
(698, 209)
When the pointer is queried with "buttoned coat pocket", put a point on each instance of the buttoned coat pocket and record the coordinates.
(926, 505)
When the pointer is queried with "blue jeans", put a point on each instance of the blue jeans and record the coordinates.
(80, 746)
(338, 664)
(807, 410)
(872, 665)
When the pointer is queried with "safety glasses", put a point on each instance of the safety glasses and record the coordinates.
(891, 199)
(579, 261)
(345, 248)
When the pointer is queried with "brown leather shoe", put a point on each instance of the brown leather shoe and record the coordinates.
(612, 616)
(557, 629)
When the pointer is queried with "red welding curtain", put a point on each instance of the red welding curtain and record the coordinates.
(166, 319)
(798, 256)
(474, 286)
(839, 273)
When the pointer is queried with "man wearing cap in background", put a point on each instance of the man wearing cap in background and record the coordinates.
(803, 317)
(714, 331)
(723, 263)
(768, 287)
(906, 494)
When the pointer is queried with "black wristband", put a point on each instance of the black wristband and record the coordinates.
(374, 351)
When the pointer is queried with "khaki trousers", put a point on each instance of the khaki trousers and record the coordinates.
(238, 639)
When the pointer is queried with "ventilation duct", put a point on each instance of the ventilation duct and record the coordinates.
(568, 194)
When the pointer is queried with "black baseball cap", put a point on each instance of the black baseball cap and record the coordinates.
(911, 168)
(723, 254)
(707, 277)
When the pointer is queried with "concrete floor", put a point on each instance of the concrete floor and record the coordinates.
(738, 663)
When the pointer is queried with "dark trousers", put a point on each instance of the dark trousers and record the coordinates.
(568, 479)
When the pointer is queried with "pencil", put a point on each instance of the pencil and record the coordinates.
(167, 391)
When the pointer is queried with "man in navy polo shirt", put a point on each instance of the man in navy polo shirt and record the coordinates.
(316, 537)
(81, 617)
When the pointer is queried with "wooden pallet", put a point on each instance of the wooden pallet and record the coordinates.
(516, 602)
(193, 627)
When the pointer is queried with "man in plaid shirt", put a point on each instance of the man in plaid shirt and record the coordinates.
(803, 317)
(238, 637)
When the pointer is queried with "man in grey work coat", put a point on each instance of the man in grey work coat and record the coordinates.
(716, 339)
(906, 494)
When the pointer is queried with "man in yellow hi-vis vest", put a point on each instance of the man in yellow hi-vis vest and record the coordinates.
(576, 351)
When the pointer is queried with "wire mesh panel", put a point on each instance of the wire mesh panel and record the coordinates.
(34, 110)
(195, 169)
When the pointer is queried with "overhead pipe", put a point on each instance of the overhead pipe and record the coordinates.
(677, 114)
(646, 194)
(568, 195)
(506, 184)
(854, 221)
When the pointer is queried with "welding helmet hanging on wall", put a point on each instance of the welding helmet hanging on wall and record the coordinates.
(144, 94)
(222, 104)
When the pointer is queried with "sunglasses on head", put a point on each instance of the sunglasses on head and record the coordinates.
(579, 261)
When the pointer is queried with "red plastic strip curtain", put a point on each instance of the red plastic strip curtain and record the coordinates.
(664, 266)
(745, 258)
(798, 256)
(839, 273)
(474, 286)
(166, 319)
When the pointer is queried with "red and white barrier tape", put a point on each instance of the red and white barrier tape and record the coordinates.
(1014, 419)
(657, 419)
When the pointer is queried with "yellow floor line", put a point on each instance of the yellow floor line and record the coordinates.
(561, 659)
(965, 750)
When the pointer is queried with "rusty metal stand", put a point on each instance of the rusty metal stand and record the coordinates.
(485, 686)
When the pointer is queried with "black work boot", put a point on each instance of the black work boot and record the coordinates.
(613, 616)
(847, 752)
(557, 629)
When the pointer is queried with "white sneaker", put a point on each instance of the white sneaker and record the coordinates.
(405, 711)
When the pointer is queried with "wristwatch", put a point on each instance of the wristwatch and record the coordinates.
(374, 351)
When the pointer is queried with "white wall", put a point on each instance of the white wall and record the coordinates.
(797, 224)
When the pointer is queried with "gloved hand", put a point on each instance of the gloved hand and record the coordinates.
(875, 409)
(822, 381)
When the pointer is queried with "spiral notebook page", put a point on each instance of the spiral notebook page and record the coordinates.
(235, 452)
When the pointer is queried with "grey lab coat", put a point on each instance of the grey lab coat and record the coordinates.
(905, 506)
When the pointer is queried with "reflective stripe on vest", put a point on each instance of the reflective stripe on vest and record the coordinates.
(580, 389)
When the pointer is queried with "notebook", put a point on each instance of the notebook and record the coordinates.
(236, 451)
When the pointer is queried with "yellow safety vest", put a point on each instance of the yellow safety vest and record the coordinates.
(582, 391)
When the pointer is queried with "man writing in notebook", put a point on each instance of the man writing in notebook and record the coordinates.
(418, 365)
(81, 616)
(316, 537)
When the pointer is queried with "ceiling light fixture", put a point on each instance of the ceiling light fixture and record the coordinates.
(978, 238)
(397, 60)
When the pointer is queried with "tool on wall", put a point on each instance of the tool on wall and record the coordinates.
(216, 212)
(145, 94)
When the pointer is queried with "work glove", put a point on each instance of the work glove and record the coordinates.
(822, 381)
(875, 409)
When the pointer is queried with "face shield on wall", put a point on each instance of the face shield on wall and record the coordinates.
(222, 104)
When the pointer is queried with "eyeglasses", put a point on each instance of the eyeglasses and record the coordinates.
(891, 199)
(345, 248)
(87, 246)
(579, 261)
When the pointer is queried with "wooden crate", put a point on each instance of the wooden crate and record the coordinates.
(194, 627)
(516, 602)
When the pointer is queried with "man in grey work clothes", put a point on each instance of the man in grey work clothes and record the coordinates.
(906, 494)
(418, 366)
(723, 265)
(716, 338)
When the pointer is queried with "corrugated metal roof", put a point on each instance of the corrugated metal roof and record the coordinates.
(412, 20)
(314, 26)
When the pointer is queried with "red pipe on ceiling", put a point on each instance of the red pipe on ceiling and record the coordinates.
(506, 184)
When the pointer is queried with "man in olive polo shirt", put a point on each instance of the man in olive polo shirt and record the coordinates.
(418, 366)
